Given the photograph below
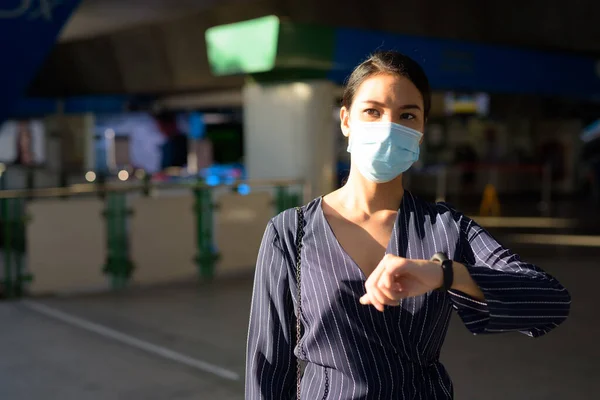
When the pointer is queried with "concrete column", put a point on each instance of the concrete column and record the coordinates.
(290, 133)
(89, 139)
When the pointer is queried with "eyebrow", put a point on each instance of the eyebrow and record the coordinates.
(404, 107)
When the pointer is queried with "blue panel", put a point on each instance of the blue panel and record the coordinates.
(95, 104)
(28, 30)
(455, 65)
(33, 107)
(197, 126)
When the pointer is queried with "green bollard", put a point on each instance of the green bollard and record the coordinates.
(12, 215)
(207, 255)
(29, 181)
(146, 182)
(7, 247)
(295, 200)
(18, 245)
(281, 199)
(118, 265)
(6, 282)
(19, 224)
(285, 200)
(63, 182)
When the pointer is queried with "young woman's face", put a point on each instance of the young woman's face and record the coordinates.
(388, 98)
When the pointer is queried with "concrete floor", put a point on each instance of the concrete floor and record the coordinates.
(45, 358)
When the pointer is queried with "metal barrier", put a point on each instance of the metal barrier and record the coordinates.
(119, 266)
(12, 234)
(285, 199)
(13, 221)
(207, 254)
(118, 263)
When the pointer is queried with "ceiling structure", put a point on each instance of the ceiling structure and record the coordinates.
(100, 17)
(539, 23)
(158, 46)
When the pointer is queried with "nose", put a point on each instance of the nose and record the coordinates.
(387, 117)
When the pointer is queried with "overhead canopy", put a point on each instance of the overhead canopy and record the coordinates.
(28, 30)
(281, 49)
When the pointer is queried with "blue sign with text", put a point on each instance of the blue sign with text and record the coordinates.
(28, 31)
(457, 65)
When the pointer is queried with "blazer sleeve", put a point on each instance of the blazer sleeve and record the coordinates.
(270, 359)
(519, 296)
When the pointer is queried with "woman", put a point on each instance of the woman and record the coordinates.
(373, 325)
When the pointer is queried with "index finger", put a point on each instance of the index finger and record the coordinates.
(374, 293)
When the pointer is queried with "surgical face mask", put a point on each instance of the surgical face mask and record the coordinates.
(383, 150)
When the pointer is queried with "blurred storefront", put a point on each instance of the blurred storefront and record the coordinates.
(501, 115)
(171, 144)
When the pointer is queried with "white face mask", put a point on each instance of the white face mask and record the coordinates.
(383, 150)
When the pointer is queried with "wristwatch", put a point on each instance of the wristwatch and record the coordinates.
(447, 269)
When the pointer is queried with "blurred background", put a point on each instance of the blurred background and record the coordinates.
(144, 145)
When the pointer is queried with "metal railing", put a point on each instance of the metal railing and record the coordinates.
(119, 267)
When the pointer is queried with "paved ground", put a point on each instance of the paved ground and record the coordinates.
(42, 357)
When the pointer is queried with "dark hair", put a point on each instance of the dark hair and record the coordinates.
(388, 62)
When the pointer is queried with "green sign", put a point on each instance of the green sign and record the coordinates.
(243, 47)
(271, 49)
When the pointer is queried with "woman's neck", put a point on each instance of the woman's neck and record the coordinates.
(365, 197)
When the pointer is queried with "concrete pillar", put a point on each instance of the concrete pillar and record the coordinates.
(290, 132)
(89, 140)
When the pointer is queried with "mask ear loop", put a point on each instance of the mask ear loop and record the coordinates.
(349, 148)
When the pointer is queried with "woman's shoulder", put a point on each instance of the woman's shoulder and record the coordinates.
(435, 209)
(286, 222)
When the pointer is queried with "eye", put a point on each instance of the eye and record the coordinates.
(371, 112)
(407, 116)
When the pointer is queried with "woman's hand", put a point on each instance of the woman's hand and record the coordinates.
(396, 278)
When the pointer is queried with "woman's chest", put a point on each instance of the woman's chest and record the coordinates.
(332, 282)
(364, 240)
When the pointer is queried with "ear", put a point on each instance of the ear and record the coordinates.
(345, 121)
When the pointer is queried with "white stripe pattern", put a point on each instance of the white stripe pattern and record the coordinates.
(355, 352)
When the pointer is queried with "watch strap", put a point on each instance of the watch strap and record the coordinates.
(447, 270)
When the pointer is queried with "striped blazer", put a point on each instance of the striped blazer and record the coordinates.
(353, 351)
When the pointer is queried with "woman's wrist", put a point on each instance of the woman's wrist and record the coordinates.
(463, 282)
(437, 274)
(461, 279)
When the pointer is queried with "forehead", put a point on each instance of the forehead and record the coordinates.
(388, 89)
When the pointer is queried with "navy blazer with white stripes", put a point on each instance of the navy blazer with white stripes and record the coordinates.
(354, 351)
